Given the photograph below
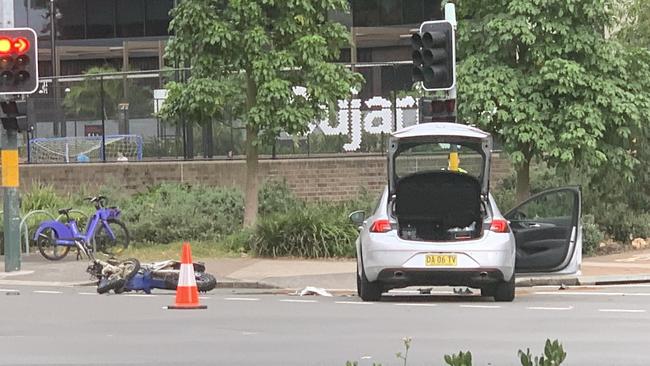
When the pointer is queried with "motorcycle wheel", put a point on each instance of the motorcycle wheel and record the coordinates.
(204, 281)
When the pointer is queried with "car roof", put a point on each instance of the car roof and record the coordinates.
(440, 129)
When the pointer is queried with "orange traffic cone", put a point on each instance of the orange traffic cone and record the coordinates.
(187, 294)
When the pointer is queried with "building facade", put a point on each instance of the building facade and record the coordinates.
(130, 35)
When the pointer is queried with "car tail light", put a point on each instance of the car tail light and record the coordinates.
(381, 226)
(499, 226)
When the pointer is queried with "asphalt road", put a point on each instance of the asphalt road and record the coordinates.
(75, 326)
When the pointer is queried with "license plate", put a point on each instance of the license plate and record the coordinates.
(433, 260)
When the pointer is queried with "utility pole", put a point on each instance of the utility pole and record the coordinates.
(9, 158)
(19, 64)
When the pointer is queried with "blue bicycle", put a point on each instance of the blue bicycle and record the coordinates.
(104, 233)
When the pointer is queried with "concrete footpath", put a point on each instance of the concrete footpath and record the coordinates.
(336, 275)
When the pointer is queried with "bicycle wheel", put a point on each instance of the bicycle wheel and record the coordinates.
(46, 243)
(109, 245)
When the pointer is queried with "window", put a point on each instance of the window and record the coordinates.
(130, 18)
(71, 24)
(157, 14)
(376, 13)
(100, 18)
(428, 157)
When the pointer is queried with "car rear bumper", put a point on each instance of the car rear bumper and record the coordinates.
(400, 277)
(401, 263)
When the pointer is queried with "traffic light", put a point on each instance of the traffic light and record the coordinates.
(14, 116)
(18, 61)
(434, 55)
(432, 110)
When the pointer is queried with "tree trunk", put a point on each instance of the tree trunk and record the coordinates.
(250, 199)
(523, 181)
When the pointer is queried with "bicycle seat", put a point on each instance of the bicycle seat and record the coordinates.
(65, 211)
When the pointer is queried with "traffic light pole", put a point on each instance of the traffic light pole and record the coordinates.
(11, 203)
(450, 16)
(9, 160)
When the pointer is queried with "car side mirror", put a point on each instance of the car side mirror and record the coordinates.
(357, 217)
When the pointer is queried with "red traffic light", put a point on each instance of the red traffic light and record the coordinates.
(5, 45)
(8, 46)
(21, 45)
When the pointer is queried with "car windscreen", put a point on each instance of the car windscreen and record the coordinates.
(418, 157)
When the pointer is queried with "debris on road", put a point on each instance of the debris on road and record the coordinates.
(310, 290)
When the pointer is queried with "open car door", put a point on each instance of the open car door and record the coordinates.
(548, 232)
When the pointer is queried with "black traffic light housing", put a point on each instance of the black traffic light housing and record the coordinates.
(434, 55)
(434, 110)
(18, 61)
(14, 115)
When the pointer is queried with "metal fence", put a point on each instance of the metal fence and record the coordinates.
(113, 117)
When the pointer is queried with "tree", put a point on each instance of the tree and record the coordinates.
(544, 78)
(634, 22)
(273, 47)
(84, 100)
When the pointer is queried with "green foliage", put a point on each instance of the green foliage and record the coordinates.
(277, 45)
(545, 79)
(315, 230)
(172, 212)
(275, 197)
(461, 359)
(592, 236)
(553, 355)
(41, 197)
(84, 100)
(634, 19)
(407, 346)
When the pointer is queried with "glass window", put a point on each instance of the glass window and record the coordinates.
(432, 10)
(130, 18)
(365, 13)
(390, 12)
(20, 13)
(38, 16)
(100, 18)
(71, 23)
(157, 13)
(412, 11)
(428, 157)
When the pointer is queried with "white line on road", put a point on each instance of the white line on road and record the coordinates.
(622, 310)
(554, 293)
(140, 295)
(47, 292)
(88, 293)
(6, 290)
(548, 308)
(299, 301)
(242, 299)
(205, 297)
(415, 304)
(481, 306)
(354, 302)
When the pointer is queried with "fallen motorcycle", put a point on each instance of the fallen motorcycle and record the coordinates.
(131, 275)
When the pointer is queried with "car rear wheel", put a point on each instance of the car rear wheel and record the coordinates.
(505, 291)
(368, 291)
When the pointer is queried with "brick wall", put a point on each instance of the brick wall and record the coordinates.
(333, 178)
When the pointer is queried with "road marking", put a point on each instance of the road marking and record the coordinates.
(205, 297)
(299, 301)
(481, 306)
(548, 308)
(140, 295)
(353, 302)
(415, 304)
(241, 299)
(88, 293)
(47, 292)
(6, 290)
(622, 310)
(592, 293)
